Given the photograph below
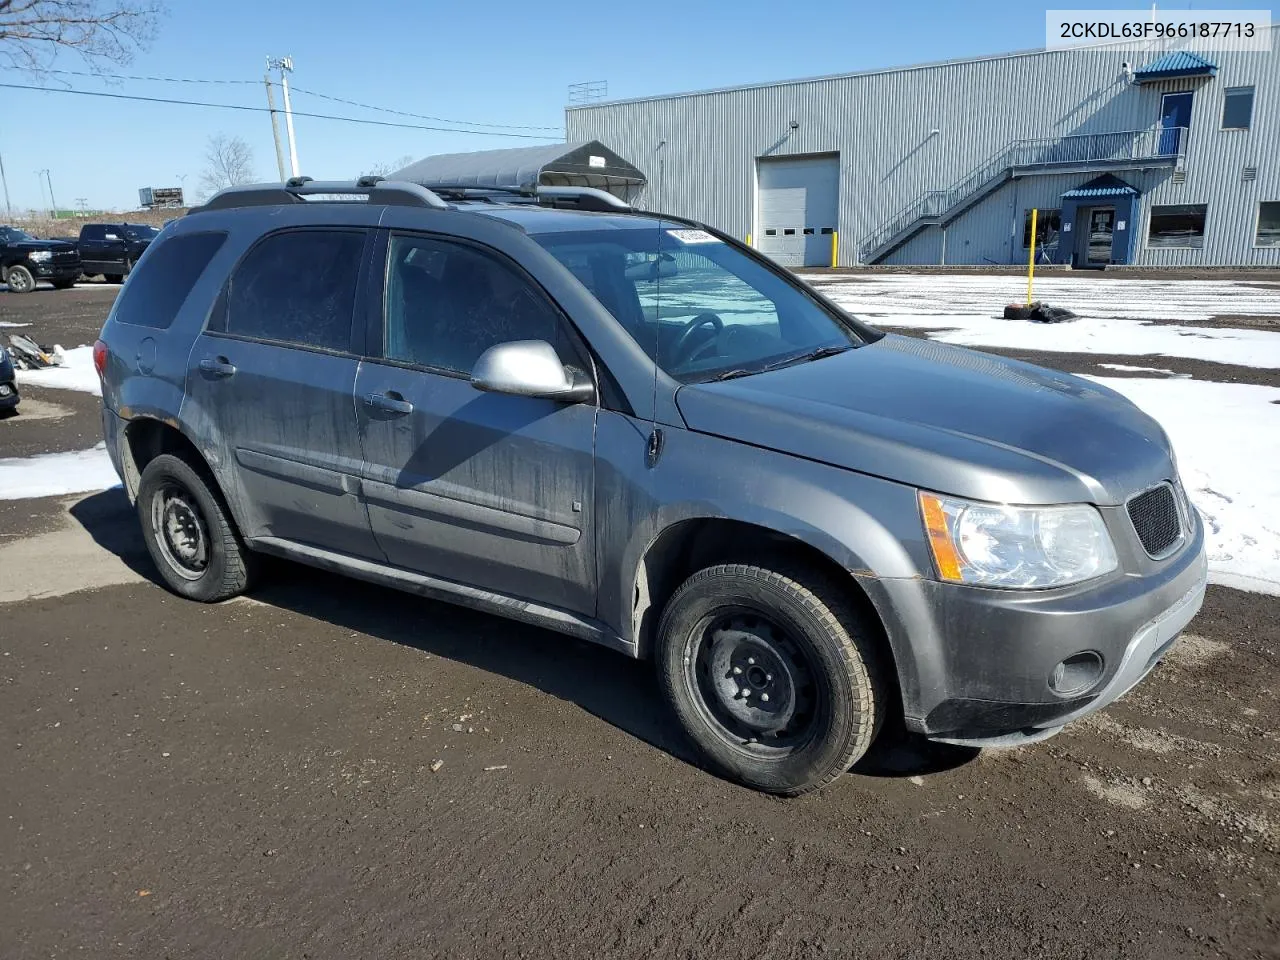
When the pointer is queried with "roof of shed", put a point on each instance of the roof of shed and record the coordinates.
(572, 164)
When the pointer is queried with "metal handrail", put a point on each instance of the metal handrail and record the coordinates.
(1152, 143)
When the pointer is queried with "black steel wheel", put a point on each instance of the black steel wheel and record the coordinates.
(773, 674)
(189, 532)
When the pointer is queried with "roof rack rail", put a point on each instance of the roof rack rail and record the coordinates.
(296, 189)
(584, 198)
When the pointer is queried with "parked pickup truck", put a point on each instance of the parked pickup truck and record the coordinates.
(111, 249)
(24, 261)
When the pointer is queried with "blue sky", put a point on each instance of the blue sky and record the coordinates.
(503, 63)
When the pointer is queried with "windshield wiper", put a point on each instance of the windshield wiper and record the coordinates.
(817, 354)
(730, 374)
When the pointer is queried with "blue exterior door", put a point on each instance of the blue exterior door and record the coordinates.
(1175, 117)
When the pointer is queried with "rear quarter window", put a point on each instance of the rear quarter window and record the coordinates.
(163, 279)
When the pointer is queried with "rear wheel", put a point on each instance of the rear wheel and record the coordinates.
(113, 277)
(20, 279)
(64, 284)
(772, 673)
(189, 532)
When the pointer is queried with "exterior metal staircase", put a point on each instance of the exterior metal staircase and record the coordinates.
(1090, 151)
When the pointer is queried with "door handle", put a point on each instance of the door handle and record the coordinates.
(217, 367)
(390, 402)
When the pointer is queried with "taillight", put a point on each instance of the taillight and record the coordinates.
(100, 358)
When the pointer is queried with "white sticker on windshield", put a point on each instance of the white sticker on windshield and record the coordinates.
(692, 236)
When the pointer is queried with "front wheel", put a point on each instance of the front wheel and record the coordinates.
(65, 284)
(189, 532)
(20, 279)
(772, 673)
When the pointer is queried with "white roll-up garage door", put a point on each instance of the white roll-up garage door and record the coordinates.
(799, 199)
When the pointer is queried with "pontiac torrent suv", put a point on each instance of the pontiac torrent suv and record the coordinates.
(632, 429)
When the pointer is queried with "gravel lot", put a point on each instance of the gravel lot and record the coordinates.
(256, 778)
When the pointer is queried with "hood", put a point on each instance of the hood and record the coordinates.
(57, 246)
(944, 418)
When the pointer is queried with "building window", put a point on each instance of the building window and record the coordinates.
(1268, 234)
(1237, 108)
(1048, 225)
(1177, 225)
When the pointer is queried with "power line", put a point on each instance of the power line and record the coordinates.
(249, 109)
(418, 116)
(297, 89)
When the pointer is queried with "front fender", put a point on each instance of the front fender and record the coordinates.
(867, 525)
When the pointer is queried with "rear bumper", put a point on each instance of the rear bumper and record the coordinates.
(984, 661)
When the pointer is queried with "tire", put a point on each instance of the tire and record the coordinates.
(128, 267)
(789, 631)
(113, 277)
(64, 284)
(189, 532)
(19, 279)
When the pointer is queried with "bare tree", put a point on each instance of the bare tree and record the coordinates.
(385, 169)
(102, 32)
(228, 161)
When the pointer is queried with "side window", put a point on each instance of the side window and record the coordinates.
(164, 277)
(446, 303)
(93, 233)
(297, 287)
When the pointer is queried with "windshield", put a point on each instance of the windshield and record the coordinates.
(141, 232)
(13, 234)
(697, 306)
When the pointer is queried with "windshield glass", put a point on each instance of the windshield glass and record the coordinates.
(13, 234)
(141, 232)
(696, 305)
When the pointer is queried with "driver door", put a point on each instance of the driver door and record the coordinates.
(489, 490)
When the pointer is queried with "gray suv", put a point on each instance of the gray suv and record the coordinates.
(632, 429)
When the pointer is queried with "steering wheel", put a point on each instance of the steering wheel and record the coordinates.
(680, 348)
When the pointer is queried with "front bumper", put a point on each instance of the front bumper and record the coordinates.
(981, 661)
(9, 395)
(55, 270)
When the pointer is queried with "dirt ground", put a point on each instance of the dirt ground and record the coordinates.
(256, 779)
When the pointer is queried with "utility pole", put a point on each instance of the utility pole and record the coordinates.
(52, 202)
(8, 207)
(285, 66)
(275, 122)
(40, 180)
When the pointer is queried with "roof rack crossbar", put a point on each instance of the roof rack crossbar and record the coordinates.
(296, 189)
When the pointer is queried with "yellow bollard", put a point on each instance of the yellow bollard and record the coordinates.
(1031, 261)
(749, 241)
(835, 248)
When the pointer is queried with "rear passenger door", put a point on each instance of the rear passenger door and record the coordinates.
(92, 246)
(273, 376)
(485, 489)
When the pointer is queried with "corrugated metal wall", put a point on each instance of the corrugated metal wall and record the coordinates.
(700, 150)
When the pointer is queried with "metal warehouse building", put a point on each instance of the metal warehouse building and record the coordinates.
(1163, 159)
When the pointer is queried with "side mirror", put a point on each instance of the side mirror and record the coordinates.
(529, 368)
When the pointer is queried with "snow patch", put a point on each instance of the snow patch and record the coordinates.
(76, 373)
(1227, 437)
(55, 474)
(1128, 369)
(8, 324)
(967, 311)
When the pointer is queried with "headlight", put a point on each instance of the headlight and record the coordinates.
(41, 254)
(993, 545)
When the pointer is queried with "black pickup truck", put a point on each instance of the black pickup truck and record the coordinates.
(112, 249)
(24, 261)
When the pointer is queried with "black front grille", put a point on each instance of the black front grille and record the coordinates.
(1154, 515)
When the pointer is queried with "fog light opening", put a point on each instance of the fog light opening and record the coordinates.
(1076, 674)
